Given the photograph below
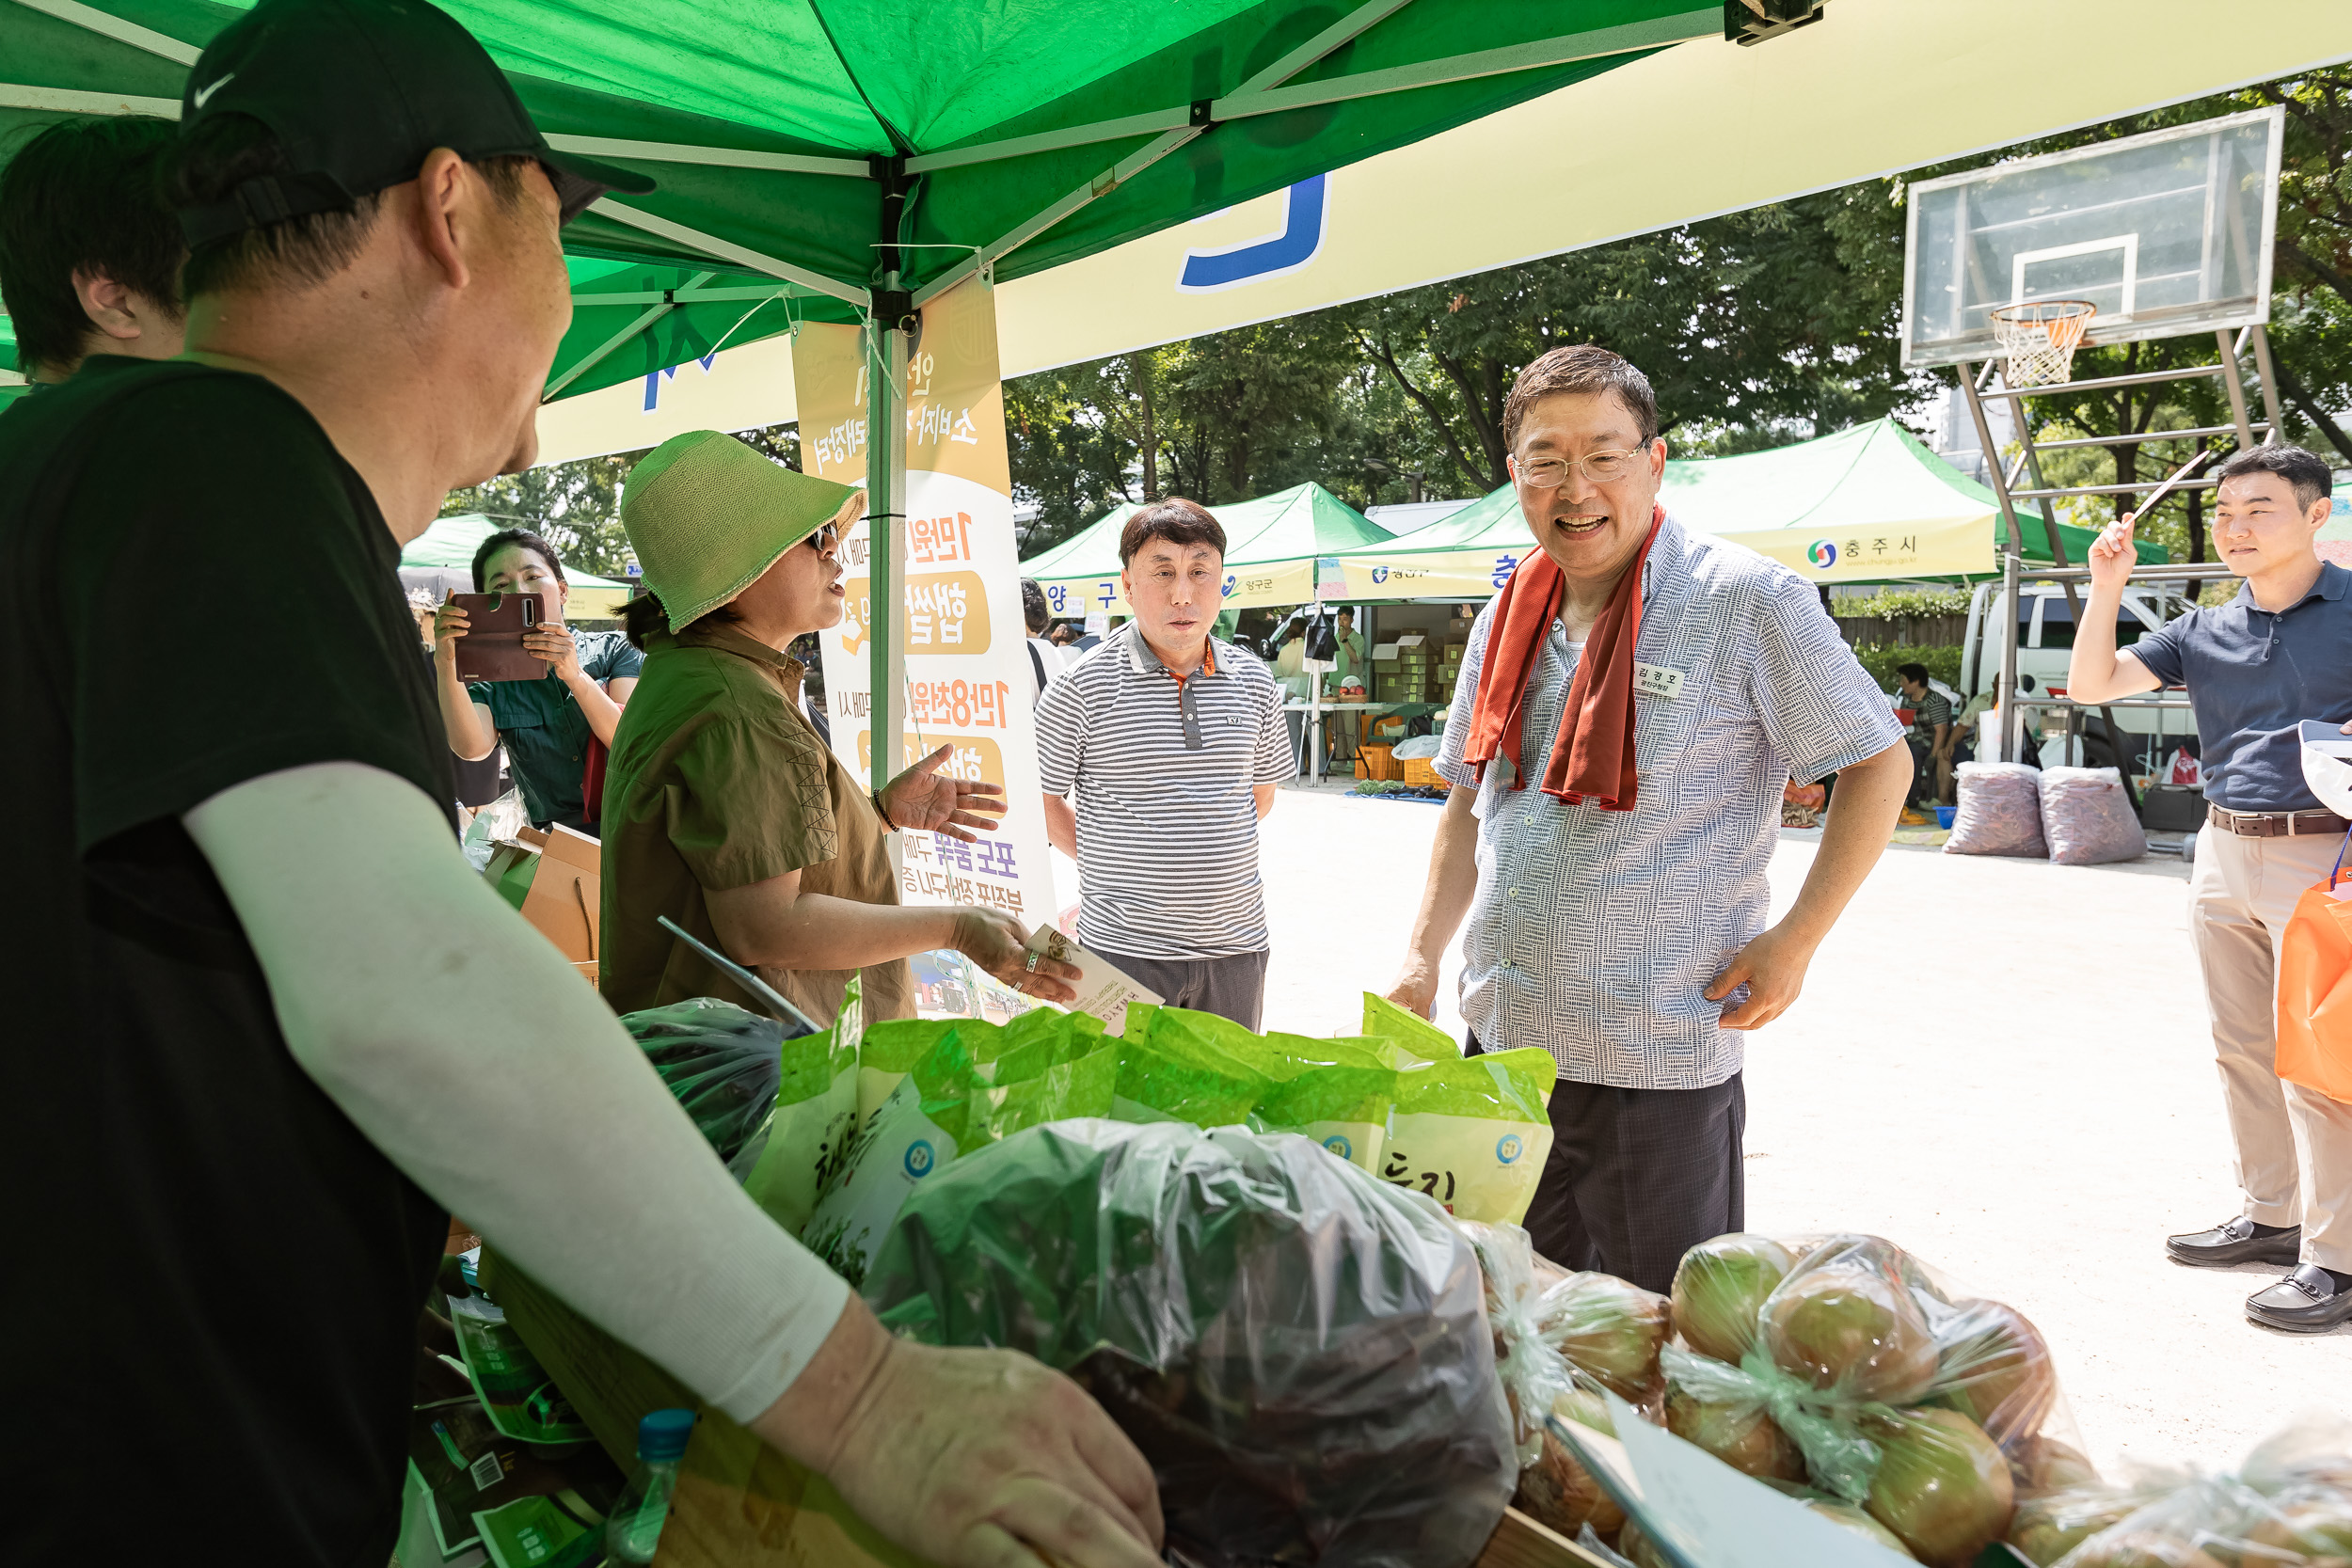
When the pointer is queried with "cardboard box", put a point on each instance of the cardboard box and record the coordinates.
(555, 880)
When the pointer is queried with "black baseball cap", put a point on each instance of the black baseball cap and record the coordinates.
(357, 92)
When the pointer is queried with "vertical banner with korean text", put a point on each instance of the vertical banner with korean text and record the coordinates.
(968, 674)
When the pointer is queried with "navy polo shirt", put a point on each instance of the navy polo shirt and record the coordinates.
(2253, 676)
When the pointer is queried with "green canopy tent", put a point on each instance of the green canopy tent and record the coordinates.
(1868, 504)
(852, 160)
(1272, 546)
(441, 558)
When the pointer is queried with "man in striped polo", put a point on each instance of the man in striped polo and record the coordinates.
(1172, 743)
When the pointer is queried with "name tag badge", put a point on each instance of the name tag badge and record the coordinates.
(1653, 680)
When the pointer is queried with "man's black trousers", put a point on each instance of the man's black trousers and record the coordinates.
(1638, 1176)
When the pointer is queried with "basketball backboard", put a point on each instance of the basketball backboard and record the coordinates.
(2167, 233)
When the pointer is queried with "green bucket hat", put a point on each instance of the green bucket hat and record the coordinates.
(707, 515)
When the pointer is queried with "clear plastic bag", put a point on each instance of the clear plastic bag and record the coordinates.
(722, 1065)
(2289, 1506)
(502, 818)
(1560, 1338)
(1845, 1364)
(1300, 1351)
(2000, 810)
(2087, 817)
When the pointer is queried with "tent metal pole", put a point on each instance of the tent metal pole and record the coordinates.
(2012, 715)
(887, 532)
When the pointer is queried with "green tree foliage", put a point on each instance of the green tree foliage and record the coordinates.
(577, 506)
(2310, 332)
(1756, 330)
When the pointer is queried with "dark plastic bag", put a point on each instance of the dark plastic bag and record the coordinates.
(722, 1065)
(1300, 1351)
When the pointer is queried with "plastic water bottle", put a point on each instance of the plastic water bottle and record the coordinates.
(634, 1528)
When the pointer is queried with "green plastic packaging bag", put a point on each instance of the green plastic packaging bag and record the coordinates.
(809, 1131)
(888, 1052)
(1046, 1065)
(1338, 1092)
(1171, 1068)
(1411, 1037)
(1473, 1132)
(521, 1401)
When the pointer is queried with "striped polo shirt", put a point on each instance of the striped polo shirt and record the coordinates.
(1164, 769)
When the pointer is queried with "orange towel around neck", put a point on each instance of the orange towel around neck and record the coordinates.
(1592, 757)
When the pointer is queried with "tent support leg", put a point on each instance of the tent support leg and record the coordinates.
(886, 533)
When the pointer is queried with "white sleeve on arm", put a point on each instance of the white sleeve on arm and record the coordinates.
(462, 1044)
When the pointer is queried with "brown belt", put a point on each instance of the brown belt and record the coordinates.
(2275, 824)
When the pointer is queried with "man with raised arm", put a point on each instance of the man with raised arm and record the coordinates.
(2278, 654)
(1629, 709)
(267, 1029)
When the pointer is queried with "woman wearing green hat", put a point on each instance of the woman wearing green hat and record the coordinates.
(723, 810)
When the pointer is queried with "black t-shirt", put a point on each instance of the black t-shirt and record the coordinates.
(215, 1278)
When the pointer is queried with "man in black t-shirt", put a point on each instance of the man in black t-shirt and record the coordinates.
(267, 1030)
(90, 254)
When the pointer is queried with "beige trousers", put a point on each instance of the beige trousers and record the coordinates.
(2293, 1144)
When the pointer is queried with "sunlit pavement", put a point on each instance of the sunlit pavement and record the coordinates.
(2001, 1064)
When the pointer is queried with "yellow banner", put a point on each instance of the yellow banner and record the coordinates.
(969, 681)
(1954, 547)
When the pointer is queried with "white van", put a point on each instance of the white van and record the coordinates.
(2045, 628)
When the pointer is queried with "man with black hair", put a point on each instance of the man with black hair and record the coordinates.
(2256, 668)
(1932, 732)
(89, 251)
(1160, 753)
(1045, 661)
(273, 1082)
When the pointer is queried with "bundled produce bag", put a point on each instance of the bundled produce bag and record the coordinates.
(2289, 1506)
(1561, 1338)
(1301, 1352)
(2087, 817)
(721, 1064)
(889, 1052)
(805, 1141)
(1846, 1365)
(1048, 1065)
(2000, 810)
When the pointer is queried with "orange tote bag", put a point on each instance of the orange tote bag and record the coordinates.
(2315, 990)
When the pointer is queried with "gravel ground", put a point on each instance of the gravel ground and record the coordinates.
(2003, 1064)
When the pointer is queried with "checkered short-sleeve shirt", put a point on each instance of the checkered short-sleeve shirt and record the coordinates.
(1594, 933)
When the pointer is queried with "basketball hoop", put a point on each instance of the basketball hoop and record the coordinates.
(2040, 338)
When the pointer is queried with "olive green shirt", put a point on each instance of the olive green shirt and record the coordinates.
(717, 780)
